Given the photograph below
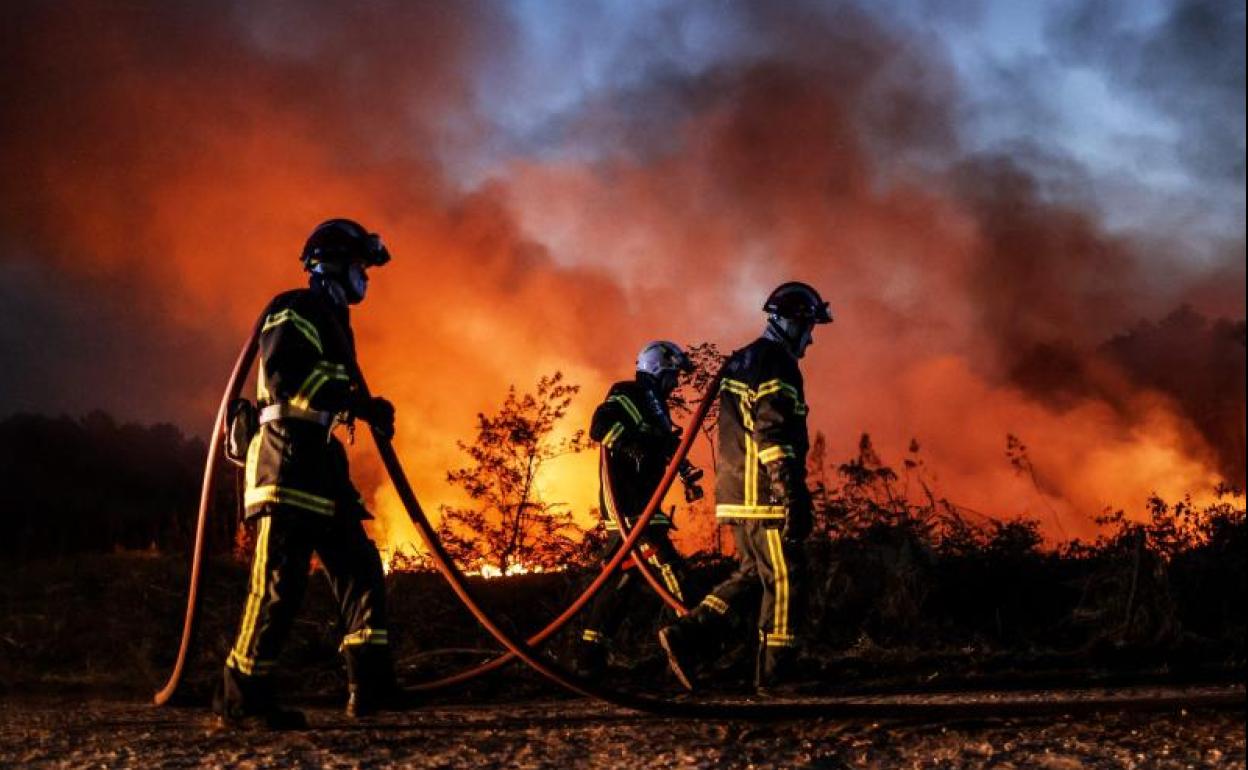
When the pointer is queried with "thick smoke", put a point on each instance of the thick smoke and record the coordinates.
(167, 162)
(973, 294)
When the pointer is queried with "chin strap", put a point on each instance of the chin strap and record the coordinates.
(330, 285)
(776, 332)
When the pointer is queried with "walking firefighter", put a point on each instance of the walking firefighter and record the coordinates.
(637, 437)
(297, 487)
(761, 494)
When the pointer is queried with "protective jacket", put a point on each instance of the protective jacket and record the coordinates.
(294, 462)
(762, 436)
(635, 429)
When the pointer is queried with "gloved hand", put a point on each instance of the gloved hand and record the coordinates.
(788, 489)
(377, 412)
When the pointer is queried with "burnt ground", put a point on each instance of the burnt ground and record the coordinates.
(60, 732)
(85, 642)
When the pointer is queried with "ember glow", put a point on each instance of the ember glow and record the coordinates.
(552, 209)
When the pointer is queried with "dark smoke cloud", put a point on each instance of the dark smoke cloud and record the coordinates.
(131, 134)
(167, 160)
(1201, 364)
(811, 154)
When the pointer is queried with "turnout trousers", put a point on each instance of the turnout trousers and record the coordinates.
(285, 542)
(610, 605)
(777, 566)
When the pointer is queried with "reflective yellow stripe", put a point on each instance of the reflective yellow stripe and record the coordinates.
(726, 511)
(365, 635)
(322, 373)
(749, 495)
(780, 571)
(780, 386)
(773, 453)
(737, 387)
(248, 666)
(608, 494)
(613, 434)
(715, 603)
(253, 459)
(590, 635)
(302, 324)
(303, 399)
(288, 496)
(669, 576)
(629, 407)
(776, 386)
(255, 597)
(771, 387)
(262, 386)
(780, 640)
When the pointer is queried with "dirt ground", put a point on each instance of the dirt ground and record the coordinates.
(68, 732)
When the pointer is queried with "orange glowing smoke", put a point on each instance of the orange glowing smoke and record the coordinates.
(178, 158)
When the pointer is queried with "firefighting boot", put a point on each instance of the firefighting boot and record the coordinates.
(676, 640)
(371, 685)
(247, 703)
(775, 670)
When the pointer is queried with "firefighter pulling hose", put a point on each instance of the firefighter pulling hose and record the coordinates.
(634, 429)
(525, 651)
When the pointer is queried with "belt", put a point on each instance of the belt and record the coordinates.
(274, 412)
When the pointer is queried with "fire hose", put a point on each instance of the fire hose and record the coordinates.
(670, 599)
(232, 389)
(574, 683)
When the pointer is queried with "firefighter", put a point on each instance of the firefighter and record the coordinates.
(761, 494)
(297, 487)
(637, 438)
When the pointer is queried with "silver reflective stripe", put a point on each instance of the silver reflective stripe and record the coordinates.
(274, 412)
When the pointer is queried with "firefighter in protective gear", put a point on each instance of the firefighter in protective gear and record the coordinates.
(637, 437)
(297, 487)
(760, 493)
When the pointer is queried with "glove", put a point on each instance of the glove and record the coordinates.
(377, 412)
(789, 490)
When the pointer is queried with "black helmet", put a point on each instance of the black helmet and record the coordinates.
(799, 302)
(337, 243)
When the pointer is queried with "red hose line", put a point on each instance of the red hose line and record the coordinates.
(753, 711)
(570, 681)
(628, 545)
(670, 599)
(241, 366)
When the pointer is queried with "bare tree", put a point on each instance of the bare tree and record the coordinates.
(508, 524)
(707, 361)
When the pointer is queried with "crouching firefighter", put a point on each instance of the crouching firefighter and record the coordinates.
(637, 437)
(297, 487)
(761, 494)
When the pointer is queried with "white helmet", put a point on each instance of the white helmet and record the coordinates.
(664, 361)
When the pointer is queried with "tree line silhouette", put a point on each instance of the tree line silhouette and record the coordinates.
(92, 484)
(893, 563)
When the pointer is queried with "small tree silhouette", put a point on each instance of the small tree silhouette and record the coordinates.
(509, 525)
(707, 361)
